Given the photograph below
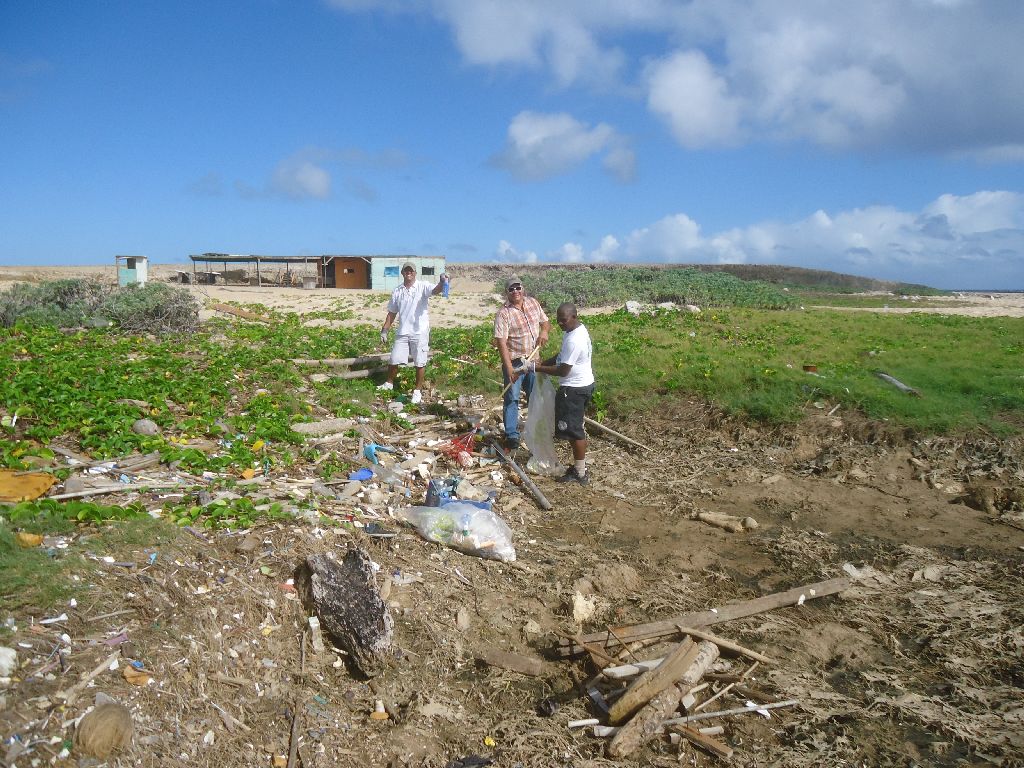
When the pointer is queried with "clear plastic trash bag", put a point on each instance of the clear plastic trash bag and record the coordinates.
(539, 430)
(462, 526)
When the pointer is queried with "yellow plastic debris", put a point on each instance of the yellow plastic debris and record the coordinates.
(24, 486)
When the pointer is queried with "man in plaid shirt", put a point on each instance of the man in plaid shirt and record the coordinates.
(520, 328)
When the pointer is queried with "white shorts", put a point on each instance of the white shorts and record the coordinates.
(415, 347)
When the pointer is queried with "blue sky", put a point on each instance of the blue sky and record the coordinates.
(883, 139)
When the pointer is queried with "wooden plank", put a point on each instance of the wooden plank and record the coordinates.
(669, 627)
(653, 682)
(710, 744)
(243, 313)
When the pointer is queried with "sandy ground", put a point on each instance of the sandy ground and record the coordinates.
(919, 662)
(472, 297)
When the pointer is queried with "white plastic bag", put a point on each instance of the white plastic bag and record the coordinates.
(465, 527)
(539, 430)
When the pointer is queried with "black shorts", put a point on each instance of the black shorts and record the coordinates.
(570, 406)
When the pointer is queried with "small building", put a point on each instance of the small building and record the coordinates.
(381, 273)
(131, 270)
(386, 271)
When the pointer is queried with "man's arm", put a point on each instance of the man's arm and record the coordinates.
(506, 358)
(553, 368)
(545, 332)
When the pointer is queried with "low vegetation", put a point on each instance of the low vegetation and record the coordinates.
(604, 287)
(233, 384)
(152, 308)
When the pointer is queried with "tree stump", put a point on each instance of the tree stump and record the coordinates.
(345, 597)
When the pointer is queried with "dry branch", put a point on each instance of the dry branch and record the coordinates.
(728, 645)
(599, 426)
(530, 485)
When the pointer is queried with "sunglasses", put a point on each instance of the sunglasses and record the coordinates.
(515, 288)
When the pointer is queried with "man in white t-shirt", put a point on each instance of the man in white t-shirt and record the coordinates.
(576, 388)
(412, 339)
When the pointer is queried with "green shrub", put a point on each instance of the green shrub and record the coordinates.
(605, 287)
(153, 308)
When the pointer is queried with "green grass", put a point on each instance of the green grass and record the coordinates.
(969, 371)
(41, 581)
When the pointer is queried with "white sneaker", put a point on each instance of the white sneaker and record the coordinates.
(417, 397)
(386, 385)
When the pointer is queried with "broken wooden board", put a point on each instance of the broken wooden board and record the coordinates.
(617, 637)
(243, 313)
(524, 665)
(345, 598)
(716, 747)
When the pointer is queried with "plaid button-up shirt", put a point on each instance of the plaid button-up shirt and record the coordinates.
(520, 326)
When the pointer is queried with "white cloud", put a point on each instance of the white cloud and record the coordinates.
(933, 75)
(507, 252)
(694, 100)
(308, 174)
(668, 239)
(973, 241)
(533, 33)
(621, 163)
(980, 212)
(301, 180)
(571, 253)
(607, 250)
(540, 146)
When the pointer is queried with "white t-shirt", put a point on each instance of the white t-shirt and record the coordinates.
(410, 304)
(577, 350)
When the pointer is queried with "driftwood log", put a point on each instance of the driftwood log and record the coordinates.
(345, 362)
(649, 720)
(345, 597)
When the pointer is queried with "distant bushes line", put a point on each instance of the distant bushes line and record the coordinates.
(604, 287)
(152, 308)
(799, 278)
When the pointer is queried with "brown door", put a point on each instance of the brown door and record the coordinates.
(350, 273)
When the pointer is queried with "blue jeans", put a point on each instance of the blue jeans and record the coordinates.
(510, 414)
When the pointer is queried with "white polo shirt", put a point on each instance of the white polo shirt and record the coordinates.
(410, 304)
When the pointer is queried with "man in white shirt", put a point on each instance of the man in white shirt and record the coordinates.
(576, 388)
(412, 339)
